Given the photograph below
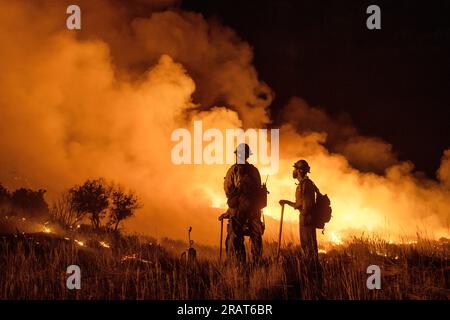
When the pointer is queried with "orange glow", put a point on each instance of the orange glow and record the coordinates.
(104, 244)
(99, 108)
(80, 243)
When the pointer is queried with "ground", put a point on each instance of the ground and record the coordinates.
(116, 266)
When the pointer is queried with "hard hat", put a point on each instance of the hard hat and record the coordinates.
(243, 147)
(302, 165)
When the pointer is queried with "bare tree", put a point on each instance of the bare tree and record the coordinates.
(64, 212)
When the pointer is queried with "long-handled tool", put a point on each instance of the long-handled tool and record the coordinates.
(189, 237)
(221, 235)
(190, 253)
(281, 228)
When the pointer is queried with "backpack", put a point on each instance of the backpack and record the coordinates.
(321, 212)
(261, 199)
(258, 195)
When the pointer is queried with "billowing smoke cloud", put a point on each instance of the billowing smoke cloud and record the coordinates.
(444, 170)
(364, 153)
(104, 101)
(217, 59)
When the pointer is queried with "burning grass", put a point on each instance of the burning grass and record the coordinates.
(129, 267)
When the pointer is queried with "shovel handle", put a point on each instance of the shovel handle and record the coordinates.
(281, 229)
(221, 235)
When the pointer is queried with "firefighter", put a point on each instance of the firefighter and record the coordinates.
(242, 184)
(304, 202)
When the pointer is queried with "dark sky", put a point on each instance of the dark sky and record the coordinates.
(394, 82)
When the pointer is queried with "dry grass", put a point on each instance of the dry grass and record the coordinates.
(33, 267)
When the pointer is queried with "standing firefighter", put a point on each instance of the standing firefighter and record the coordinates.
(305, 202)
(242, 187)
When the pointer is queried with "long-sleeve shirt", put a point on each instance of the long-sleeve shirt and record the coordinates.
(305, 196)
(244, 178)
(243, 181)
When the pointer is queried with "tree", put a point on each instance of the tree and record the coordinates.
(91, 198)
(64, 212)
(123, 206)
(5, 196)
(30, 202)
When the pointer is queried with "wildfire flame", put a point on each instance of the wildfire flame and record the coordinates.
(104, 244)
(129, 257)
(336, 239)
(134, 257)
(80, 243)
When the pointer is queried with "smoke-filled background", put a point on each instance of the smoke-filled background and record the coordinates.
(103, 102)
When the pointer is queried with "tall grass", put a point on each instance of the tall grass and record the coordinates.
(34, 267)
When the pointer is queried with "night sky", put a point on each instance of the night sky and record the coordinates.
(394, 83)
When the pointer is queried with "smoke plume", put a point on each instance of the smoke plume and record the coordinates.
(103, 101)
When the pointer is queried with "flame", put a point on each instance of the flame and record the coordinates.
(335, 238)
(47, 229)
(134, 257)
(80, 243)
(129, 257)
(104, 244)
(218, 203)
